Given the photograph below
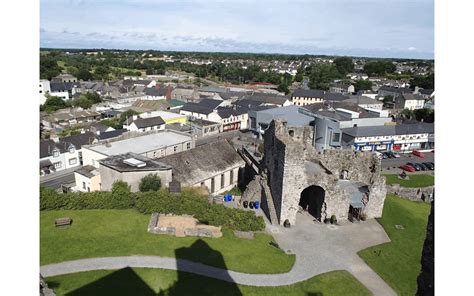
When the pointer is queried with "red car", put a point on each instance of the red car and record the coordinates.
(418, 153)
(407, 168)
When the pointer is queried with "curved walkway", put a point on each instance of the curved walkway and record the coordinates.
(318, 249)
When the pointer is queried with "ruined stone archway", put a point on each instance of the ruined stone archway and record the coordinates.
(312, 200)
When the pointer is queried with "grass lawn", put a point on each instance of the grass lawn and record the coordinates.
(416, 180)
(142, 281)
(398, 262)
(107, 233)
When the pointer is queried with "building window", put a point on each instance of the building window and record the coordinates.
(175, 148)
(72, 161)
(232, 177)
(83, 185)
(212, 185)
(222, 181)
(188, 145)
(335, 137)
(57, 165)
(56, 153)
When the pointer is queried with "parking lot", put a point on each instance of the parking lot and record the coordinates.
(390, 165)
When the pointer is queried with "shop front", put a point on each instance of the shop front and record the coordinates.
(374, 146)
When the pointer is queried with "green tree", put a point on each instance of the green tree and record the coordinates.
(322, 75)
(127, 114)
(299, 75)
(425, 115)
(344, 65)
(84, 74)
(120, 188)
(407, 114)
(150, 182)
(112, 122)
(101, 72)
(388, 99)
(82, 102)
(379, 67)
(93, 97)
(426, 82)
(363, 85)
(53, 103)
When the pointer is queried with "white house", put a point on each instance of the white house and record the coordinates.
(409, 101)
(44, 88)
(144, 124)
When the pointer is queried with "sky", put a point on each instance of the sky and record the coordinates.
(374, 28)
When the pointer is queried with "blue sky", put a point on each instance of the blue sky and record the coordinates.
(379, 28)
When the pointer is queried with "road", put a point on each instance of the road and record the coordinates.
(393, 163)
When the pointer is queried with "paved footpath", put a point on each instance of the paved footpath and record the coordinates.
(319, 248)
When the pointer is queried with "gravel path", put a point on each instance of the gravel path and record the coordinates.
(319, 248)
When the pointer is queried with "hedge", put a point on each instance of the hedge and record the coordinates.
(189, 202)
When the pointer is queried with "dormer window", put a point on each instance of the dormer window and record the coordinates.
(71, 149)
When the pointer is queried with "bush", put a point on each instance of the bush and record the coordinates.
(191, 201)
(150, 182)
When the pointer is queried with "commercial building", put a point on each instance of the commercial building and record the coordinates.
(402, 137)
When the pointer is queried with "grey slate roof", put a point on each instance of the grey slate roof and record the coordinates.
(111, 134)
(399, 90)
(311, 93)
(62, 86)
(408, 96)
(226, 112)
(388, 130)
(147, 122)
(203, 162)
(205, 106)
(334, 97)
(267, 98)
(80, 139)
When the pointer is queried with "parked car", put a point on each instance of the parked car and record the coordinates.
(397, 155)
(432, 164)
(407, 168)
(423, 167)
(429, 165)
(418, 153)
(384, 155)
(414, 165)
(378, 154)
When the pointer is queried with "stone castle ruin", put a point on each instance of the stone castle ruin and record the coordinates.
(295, 176)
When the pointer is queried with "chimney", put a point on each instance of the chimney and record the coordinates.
(134, 117)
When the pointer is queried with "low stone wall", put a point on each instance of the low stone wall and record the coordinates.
(199, 230)
(416, 194)
(152, 226)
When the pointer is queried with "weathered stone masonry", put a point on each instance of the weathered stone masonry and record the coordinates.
(291, 164)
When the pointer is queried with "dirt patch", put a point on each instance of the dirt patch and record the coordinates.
(185, 226)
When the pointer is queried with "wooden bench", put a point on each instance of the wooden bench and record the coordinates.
(63, 221)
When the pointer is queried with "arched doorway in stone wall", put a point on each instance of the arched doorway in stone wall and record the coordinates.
(312, 200)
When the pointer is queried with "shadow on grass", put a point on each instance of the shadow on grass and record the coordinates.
(189, 284)
(127, 282)
(121, 282)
